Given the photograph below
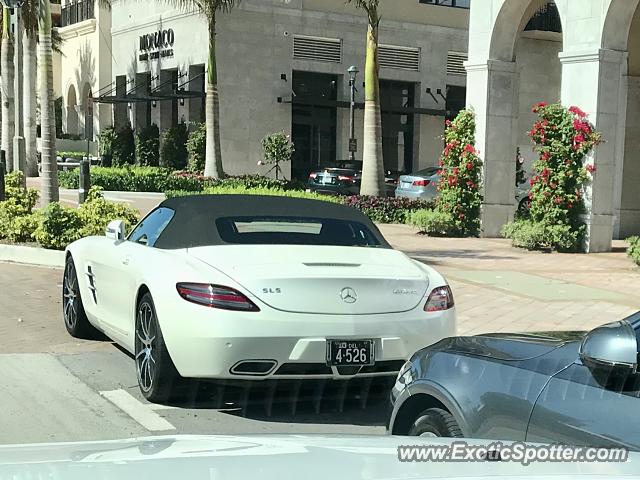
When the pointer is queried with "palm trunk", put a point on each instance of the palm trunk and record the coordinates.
(373, 164)
(29, 103)
(7, 90)
(47, 111)
(213, 160)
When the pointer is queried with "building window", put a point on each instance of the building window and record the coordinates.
(456, 100)
(397, 124)
(314, 122)
(77, 12)
(448, 3)
(546, 19)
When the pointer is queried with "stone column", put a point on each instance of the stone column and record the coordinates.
(592, 80)
(492, 89)
(629, 209)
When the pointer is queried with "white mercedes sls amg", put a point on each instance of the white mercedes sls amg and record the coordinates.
(253, 287)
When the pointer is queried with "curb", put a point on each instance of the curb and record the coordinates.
(31, 255)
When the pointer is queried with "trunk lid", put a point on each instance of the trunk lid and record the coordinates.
(322, 279)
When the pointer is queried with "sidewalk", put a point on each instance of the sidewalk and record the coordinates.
(498, 288)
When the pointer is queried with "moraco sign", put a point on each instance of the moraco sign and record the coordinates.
(156, 45)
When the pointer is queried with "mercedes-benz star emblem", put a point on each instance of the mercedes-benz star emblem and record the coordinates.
(348, 295)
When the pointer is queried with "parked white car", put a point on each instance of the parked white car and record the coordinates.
(314, 457)
(254, 287)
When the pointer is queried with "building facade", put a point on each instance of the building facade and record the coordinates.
(582, 53)
(282, 65)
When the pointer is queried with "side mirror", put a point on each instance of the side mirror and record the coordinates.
(115, 230)
(611, 346)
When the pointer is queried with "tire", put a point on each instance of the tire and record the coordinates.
(435, 422)
(524, 207)
(157, 376)
(75, 318)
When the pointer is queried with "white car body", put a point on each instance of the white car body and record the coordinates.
(297, 289)
(278, 457)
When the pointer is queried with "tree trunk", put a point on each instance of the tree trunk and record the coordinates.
(213, 159)
(7, 90)
(47, 110)
(373, 164)
(30, 47)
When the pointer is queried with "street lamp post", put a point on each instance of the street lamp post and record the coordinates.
(353, 143)
(19, 161)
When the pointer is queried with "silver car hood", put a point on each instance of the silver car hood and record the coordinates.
(270, 457)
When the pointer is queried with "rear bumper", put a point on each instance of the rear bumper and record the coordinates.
(216, 344)
(416, 194)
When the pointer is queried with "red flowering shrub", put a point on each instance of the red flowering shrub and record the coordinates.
(460, 183)
(562, 138)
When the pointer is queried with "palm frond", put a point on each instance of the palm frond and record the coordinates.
(29, 16)
(56, 41)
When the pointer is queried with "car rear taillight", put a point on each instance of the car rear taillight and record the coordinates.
(345, 178)
(440, 299)
(421, 183)
(216, 296)
(313, 175)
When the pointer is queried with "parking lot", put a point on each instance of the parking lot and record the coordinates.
(57, 388)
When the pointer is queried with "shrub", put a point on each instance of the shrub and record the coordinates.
(124, 148)
(534, 235)
(73, 155)
(634, 249)
(432, 222)
(240, 190)
(460, 179)
(58, 226)
(134, 179)
(148, 146)
(196, 148)
(385, 209)
(562, 138)
(252, 181)
(17, 205)
(106, 145)
(97, 212)
(173, 147)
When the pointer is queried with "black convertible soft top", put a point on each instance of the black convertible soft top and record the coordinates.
(194, 221)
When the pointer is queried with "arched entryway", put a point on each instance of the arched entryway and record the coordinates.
(622, 31)
(516, 66)
(71, 112)
(87, 112)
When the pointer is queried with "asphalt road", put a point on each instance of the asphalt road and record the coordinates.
(56, 388)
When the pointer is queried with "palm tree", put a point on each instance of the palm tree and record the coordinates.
(373, 163)
(210, 9)
(49, 187)
(30, 48)
(6, 88)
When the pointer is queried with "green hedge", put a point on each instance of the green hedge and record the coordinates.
(133, 179)
(634, 249)
(243, 190)
(74, 155)
(157, 179)
(433, 222)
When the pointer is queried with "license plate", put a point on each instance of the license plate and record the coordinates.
(350, 352)
(405, 185)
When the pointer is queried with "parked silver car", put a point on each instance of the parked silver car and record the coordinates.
(420, 185)
(423, 185)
